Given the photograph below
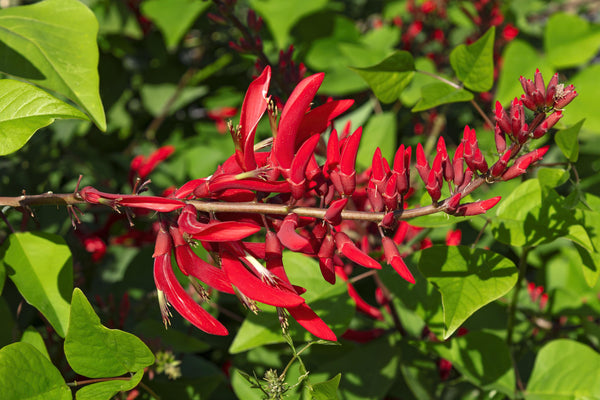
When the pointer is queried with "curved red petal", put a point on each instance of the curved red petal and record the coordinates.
(311, 322)
(181, 301)
(254, 106)
(253, 287)
(317, 120)
(284, 145)
(190, 263)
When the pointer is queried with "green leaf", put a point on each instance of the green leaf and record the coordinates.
(438, 93)
(327, 390)
(467, 280)
(95, 351)
(106, 390)
(570, 41)
(483, 358)
(531, 215)
(567, 142)
(25, 373)
(154, 97)
(281, 16)
(388, 78)
(369, 369)
(41, 268)
(565, 369)
(2, 276)
(173, 17)
(380, 131)
(520, 59)
(53, 44)
(329, 302)
(7, 328)
(25, 109)
(474, 64)
(33, 337)
(585, 105)
(412, 93)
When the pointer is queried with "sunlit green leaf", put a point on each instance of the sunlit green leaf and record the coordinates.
(33, 337)
(474, 63)
(566, 140)
(327, 390)
(585, 105)
(41, 268)
(25, 373)
(53, 44)
(95, 351)
(388, 78)
(565, 369)
(25, 109)
(438, 93)
(106, 390)
(467, 279)
(570, 40)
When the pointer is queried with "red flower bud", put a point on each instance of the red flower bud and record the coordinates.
(478, 207)
(393, 258)
(347, 247)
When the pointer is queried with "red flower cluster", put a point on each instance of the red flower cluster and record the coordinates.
(302, 173)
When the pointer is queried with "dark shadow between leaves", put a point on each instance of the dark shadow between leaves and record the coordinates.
(13, 63)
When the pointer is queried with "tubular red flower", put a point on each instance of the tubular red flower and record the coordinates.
(500, 166)
(458, 164)
(318, 119)
(393, 258)
(297, 175)
(214, 231)
(422, 164)
(478, 207)
(253, 287)
(325, 254)
(522, 163)
(254, 106)
(347, 247)
(289, 237)
(333, 215)
(306, 317)
(348, 162)
(291, 117)
(445, 160)
(160, 204)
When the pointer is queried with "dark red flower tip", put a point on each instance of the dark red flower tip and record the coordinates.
(347, 169)
(308, 319)
(170, 290)
(522, 163)
(253, 287)
(363, 336)
(347, 247)
(319, 118)
(422, 166)
(297, 174)
(453, 237)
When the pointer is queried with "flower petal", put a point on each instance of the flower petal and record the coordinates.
(311, 322)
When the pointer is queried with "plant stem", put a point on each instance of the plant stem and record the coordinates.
(512, 312)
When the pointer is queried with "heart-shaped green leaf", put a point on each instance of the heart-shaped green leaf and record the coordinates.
(565, 369)
(467, 279)
(388, 78)
(25, 109)
(41, 268)
(327, 390)
(474, 63)
(570, 40)
(438, 93)
(53, 44)
(483, 358)
(173, 17)
(106, 390)
(34, 338)
(96, 351)
(25, 373)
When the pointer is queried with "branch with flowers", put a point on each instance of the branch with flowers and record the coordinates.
(303, 218)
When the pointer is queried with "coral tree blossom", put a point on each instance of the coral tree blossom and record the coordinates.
(309, 165)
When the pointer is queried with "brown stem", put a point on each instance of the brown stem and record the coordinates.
(25, 201)
(150, 133)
